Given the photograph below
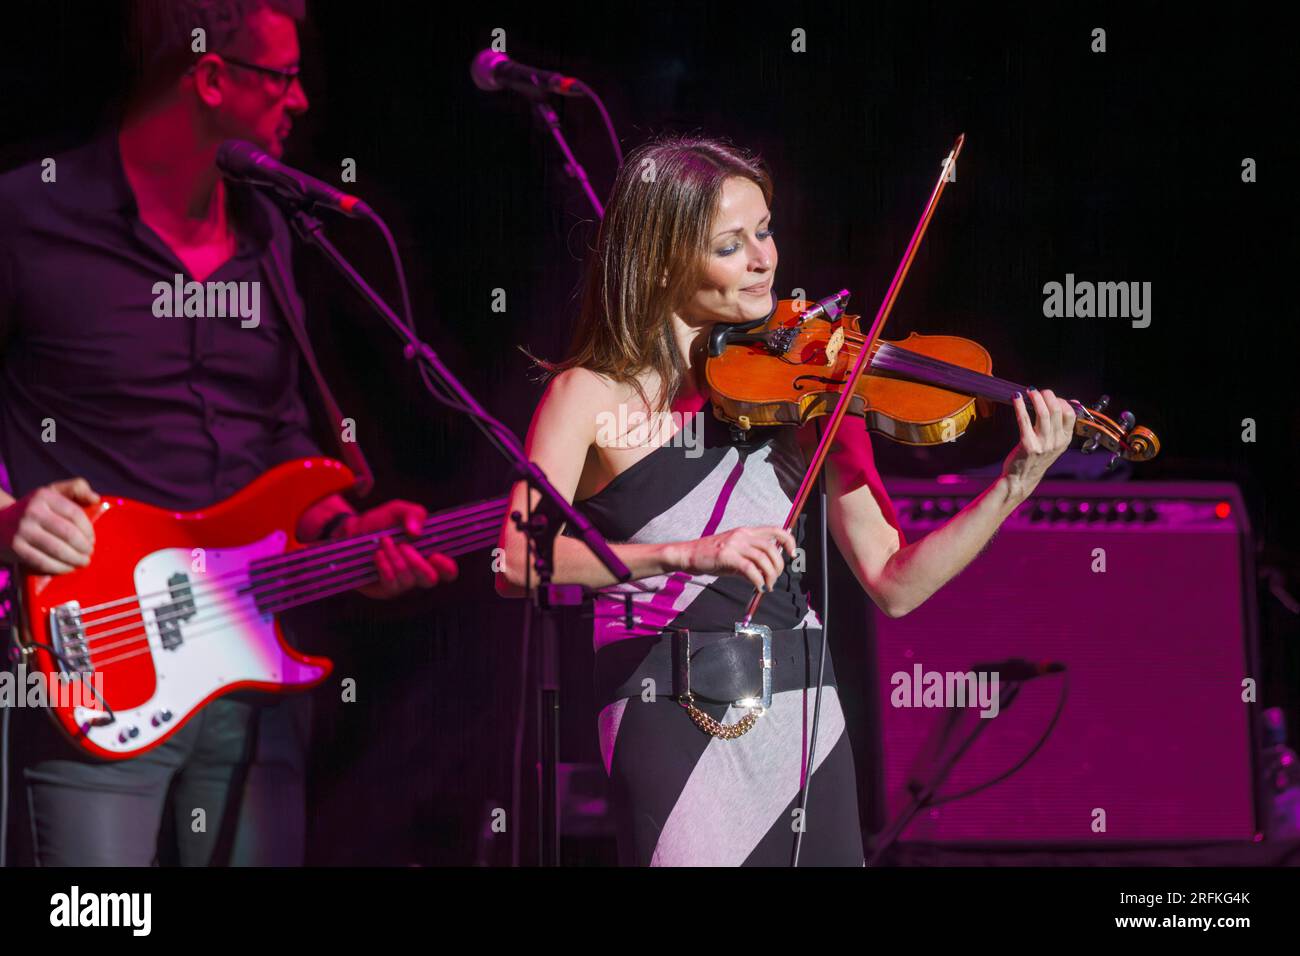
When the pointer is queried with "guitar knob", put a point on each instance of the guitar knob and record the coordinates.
(161, 717)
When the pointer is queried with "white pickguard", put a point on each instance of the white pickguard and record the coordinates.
(225, 641)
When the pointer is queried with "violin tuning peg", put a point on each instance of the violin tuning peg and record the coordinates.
(1110, 465)
(1090, 445)
(1101, 404)
(1126, 421)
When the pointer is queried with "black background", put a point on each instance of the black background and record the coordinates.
(1116, 166)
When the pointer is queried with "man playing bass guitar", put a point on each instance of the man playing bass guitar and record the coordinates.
(101, 396)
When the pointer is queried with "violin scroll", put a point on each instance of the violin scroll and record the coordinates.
(1121, 438)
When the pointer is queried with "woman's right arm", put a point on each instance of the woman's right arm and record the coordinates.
(562, 431)
(563, 428)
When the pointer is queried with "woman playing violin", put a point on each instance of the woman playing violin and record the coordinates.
(698, 774)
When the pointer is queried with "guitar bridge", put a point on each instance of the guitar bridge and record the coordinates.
(68, 638)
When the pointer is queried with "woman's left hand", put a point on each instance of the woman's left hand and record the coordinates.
(1041, 442)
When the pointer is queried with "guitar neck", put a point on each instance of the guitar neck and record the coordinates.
(328, 568)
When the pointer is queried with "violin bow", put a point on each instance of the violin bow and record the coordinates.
(864, 357)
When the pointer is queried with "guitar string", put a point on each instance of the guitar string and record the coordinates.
(441, 519)
(311, 554)
(224, 599)
(245, 611)
(266, 587)
(242, 609)
(361, 547)
(219, 595)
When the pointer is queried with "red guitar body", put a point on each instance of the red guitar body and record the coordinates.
(158, 622)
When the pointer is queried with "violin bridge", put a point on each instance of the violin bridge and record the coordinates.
(833, 345)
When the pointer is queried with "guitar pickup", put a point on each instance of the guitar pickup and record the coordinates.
(169, 616)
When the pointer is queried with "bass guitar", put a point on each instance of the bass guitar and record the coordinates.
(177, 608)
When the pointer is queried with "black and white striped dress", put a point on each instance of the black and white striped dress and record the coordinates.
(680, 796)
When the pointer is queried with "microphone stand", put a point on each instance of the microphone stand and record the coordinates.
(924, 792)
(542, 534)
(542, 107)
(540, 525)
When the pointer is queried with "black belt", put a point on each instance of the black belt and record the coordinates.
(714, 666)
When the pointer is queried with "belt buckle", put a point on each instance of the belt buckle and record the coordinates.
(762, 633)
(756, 706)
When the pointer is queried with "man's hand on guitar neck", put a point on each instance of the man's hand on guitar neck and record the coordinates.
(46, 531)
(401, 567)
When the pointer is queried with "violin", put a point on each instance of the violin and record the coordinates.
(800, 363)
(923, 390)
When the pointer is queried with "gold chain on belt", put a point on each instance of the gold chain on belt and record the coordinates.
(717, 728)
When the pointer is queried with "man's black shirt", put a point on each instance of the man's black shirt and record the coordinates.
(174, 411)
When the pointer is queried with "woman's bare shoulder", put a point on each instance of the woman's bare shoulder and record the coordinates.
(585, 388)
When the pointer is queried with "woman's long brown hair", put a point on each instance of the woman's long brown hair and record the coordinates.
(650, 258)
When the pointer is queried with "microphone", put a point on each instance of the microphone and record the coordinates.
(492, 71)
(243, 162)
(1019, 669)
(830, 307)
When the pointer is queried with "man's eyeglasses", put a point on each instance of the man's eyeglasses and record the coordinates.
(283, 78)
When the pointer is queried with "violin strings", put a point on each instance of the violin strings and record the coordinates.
(889, 357)
(893, 358)
(967, 380)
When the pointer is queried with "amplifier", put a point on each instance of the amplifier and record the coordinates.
(1144, 592)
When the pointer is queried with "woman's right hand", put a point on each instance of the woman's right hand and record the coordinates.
(46, 531)
(753, 553)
